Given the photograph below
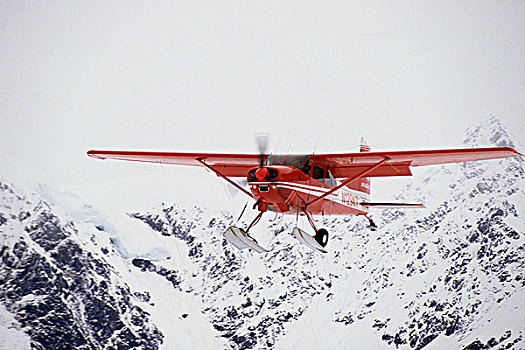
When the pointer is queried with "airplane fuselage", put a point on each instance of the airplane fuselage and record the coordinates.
(290, 189)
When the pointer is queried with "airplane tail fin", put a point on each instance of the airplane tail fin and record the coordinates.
(364, 147)
(362, 185)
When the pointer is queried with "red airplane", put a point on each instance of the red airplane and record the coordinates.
(309, 184)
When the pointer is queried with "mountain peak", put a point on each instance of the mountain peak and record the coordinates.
(490, 131)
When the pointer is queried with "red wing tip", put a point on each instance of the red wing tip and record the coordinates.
(94, 154)
(514, 151)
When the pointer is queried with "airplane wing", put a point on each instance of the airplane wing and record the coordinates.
(348, 164)
(342, 165)
(230, 165)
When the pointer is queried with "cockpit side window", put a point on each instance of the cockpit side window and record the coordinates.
(330, 180)
(323, 176)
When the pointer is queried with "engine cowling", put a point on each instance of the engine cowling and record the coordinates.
(262, 174)
(276, 173)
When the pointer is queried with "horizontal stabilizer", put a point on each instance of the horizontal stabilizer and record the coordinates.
(391, 205)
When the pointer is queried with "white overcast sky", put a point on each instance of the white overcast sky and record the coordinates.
(208, 75)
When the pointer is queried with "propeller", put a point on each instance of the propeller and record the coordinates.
(262, 144)
(262, 141)
(231, 190)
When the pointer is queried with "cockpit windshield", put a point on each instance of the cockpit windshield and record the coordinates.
(299, 161)
(304, 164)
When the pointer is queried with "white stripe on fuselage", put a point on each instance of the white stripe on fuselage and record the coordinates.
(344, 196)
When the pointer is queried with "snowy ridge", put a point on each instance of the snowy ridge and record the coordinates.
(57, 284)
(490, 132)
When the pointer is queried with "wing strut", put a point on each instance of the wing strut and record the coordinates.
(347, 181)
(224, 177)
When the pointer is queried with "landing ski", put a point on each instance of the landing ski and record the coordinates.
(307, 240)
(241, 240)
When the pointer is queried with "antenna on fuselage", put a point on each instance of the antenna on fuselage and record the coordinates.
(316, 143)
(365, 182)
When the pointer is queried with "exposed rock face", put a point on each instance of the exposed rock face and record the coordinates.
(61, 293)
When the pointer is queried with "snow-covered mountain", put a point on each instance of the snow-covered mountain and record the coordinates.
(451, 276)
(57, 285)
